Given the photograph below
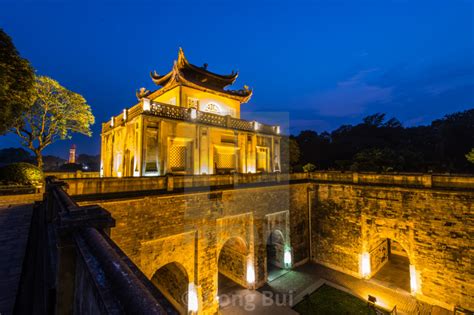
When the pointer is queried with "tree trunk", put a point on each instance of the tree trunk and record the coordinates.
(39, 159)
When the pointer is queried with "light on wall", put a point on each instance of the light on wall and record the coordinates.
(193, 304)
(146, 104)
(125, 114)
(112, 121)
(277, 130)
(413, 280)
(287, 258)
(250, 272)
(365, 265)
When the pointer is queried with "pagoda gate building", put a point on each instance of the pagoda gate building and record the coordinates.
(190, 125)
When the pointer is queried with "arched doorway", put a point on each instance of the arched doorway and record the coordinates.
(172, 280)
(232, 265)
(275, 255)
(391, 264)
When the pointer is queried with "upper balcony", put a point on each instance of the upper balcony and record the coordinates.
(192, 115)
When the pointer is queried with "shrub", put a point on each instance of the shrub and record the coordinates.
(309, 168)
(22, 174)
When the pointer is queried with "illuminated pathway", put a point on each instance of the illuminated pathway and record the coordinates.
(307, 278)
(14, 227)
(235, 300)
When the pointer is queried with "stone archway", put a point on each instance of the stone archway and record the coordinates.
(172, 280)
(391, 264)
(392, 261)
(275, 249)
(232, 262)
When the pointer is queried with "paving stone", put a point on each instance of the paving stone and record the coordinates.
(14, 227)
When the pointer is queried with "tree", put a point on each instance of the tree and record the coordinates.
(290, 153)
(308, 168)
(16, 83)
(470, 156)
(56, 113)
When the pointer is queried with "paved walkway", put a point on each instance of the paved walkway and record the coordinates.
(306, 279)
(395, 273)
(235, 300)
(14, 227)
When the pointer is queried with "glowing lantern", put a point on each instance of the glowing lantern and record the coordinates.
(287, 258)
(193, 113)
(256, 125)
(146, 104)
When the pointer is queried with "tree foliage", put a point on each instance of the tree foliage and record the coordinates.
(290, 153)
(56, 113)
(470, 156)
(16, 83)
(21, 173)
(380, 145)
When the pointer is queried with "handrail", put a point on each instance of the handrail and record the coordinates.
(69, 253)
(193, 115)
(133, 295)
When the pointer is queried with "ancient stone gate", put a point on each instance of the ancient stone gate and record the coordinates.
(195, 235)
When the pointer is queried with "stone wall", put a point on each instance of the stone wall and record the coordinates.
(172, 281)
(430, 217)
(434, 227)
(192, 228)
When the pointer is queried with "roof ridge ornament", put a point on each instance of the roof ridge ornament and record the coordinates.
(185, 73)
(141, 93)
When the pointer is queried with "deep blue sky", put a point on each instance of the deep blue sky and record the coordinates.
(322, 63)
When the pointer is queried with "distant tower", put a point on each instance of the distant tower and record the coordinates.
(72, 154)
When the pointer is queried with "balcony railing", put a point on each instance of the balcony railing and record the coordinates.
(193, 115)
(72, 266)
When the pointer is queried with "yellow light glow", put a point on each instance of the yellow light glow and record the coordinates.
(112, 121)
(250, 273)
(119, 174)
(125, 114)
(413, 280)
(365, 265)
(193, 304)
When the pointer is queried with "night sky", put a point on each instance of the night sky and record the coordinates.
(320, 63)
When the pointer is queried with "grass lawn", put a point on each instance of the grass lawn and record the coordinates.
(330, 301)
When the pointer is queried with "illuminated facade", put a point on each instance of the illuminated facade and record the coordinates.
(190, 125)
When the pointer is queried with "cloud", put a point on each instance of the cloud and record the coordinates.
(352, 96)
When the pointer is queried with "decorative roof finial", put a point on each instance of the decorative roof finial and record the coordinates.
(204, 66)
(142, 93)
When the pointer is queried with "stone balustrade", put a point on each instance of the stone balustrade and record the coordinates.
(192, 115)
(167, 183)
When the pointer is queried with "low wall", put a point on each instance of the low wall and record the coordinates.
(397, 179)
(15, 200)
(76, 174)
(91, 186)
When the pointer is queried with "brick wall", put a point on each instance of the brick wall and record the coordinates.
(430, 217)
(434, 227)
